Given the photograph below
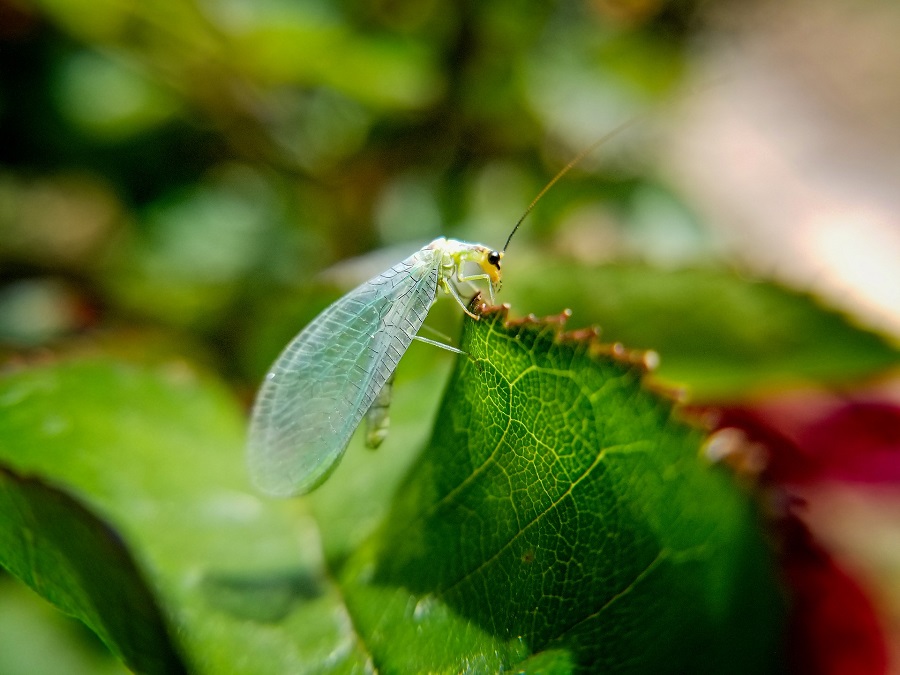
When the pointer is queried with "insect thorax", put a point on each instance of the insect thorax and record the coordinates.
(455, 254)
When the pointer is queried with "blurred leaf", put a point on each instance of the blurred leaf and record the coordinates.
(65, 553)
(110, 99)
(312, 49)
(106, 18)
(31, 211)
(319, 128)
(35, 311)
(722, 336)
(36, 639)
(159, 455)
(195, 247)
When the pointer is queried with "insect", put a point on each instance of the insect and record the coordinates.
(335, 370)
(340, 367)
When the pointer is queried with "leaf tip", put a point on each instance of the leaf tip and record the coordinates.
(589, 334)
(483, 309)
(645, 359)
(532, 320)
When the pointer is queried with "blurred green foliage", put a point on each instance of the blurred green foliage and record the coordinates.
(36, 639)
(189, 164)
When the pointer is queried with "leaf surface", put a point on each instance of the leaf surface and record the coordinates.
(563, 510)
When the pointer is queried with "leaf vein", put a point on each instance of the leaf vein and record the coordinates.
(651, 566)
(537, 519)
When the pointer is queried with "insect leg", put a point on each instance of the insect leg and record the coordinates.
(449, 348)
(446, 338)
(377, 416)
(451, 289)
(478, 277)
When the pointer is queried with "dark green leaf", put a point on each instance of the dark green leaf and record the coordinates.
(158, 454)
(36, 639)
(66, 554)
(561, 509)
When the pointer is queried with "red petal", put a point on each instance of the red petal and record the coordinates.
(834, 629)
(817, 437)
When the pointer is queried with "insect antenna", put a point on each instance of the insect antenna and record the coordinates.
(568, 167)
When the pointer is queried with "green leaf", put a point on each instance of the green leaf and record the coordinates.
(62, 551)
(562, 510)
(720, 335)
(35, 638)
(156, 454)
(559, 519)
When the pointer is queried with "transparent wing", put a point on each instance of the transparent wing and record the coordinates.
(325, 380)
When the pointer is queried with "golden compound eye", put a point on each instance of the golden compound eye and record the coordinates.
(494, 259)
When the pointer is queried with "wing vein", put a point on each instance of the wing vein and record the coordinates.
(326, 379)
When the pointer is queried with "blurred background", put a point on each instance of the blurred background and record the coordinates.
(195, 166)
(196, 179)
